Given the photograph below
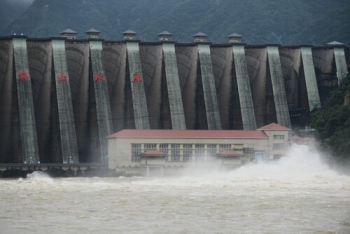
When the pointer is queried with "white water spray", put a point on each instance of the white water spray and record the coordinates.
(39, 176)
(300, 163)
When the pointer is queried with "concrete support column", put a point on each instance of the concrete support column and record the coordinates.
(310, 78)
(173, 85)
(209, 89)
(6, 98)
(137, 86)
(69, 144)
(103, 108)
(340, 63)
(244, 92)
(25, 102)
(278, 88)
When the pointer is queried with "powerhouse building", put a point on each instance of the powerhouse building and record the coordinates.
(166, 152)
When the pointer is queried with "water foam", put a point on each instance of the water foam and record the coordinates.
(300, 162)
(300, 166)
(40, 177)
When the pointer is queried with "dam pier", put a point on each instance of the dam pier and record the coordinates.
(61, 97)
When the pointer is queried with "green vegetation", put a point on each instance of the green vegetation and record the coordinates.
(259, 21)
(332, 122)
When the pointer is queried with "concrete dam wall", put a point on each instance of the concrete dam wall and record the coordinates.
(60, 99)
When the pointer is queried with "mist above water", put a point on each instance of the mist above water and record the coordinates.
(300, 168)
(299, 163)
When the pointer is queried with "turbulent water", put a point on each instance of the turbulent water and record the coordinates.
(298, 194)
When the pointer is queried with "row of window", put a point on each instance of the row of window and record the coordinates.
(175, 150)
(135, 152)
(177, 158)
(189, 158)
(278, 137)
(177, 146)
(278, 146)
(188, 149)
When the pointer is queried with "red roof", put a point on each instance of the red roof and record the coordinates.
(273, 126)
(229, 153)
(153, 153)
(143, 133)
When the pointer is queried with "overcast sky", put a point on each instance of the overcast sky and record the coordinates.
(18, 2)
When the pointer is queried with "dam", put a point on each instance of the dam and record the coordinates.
(61, 97)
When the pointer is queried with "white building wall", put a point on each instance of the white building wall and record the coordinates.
(285, 141)
(120, 149)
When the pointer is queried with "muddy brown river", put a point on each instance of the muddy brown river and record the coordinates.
(298, 194)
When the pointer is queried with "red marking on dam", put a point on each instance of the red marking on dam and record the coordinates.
(23, 76)
(99, 77)
(62, 77)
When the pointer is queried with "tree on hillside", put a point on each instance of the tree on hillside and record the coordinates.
(259, 21)
(332, 122)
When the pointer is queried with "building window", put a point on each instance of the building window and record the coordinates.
(175, 152)
(259, 156)
(277, 156)
(224, 147)
(164, 148)
(150, 146)
(278, 137)
(135, 152)
(211, 149)
(199, 151)
(277, 146)
(187, 152)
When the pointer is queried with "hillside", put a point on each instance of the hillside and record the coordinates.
(259, 21)
(11, 9)
(332, 122)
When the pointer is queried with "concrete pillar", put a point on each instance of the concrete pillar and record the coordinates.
(340, 63)
(25, 102)
(69, 147)
(137, 86)
(209, 89)
(310, 78)
(103, 108)
(40, 64)
(7, 97)
(279, 92)
(173, 85)
(244, 92)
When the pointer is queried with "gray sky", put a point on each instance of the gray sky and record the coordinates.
(18, 2)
